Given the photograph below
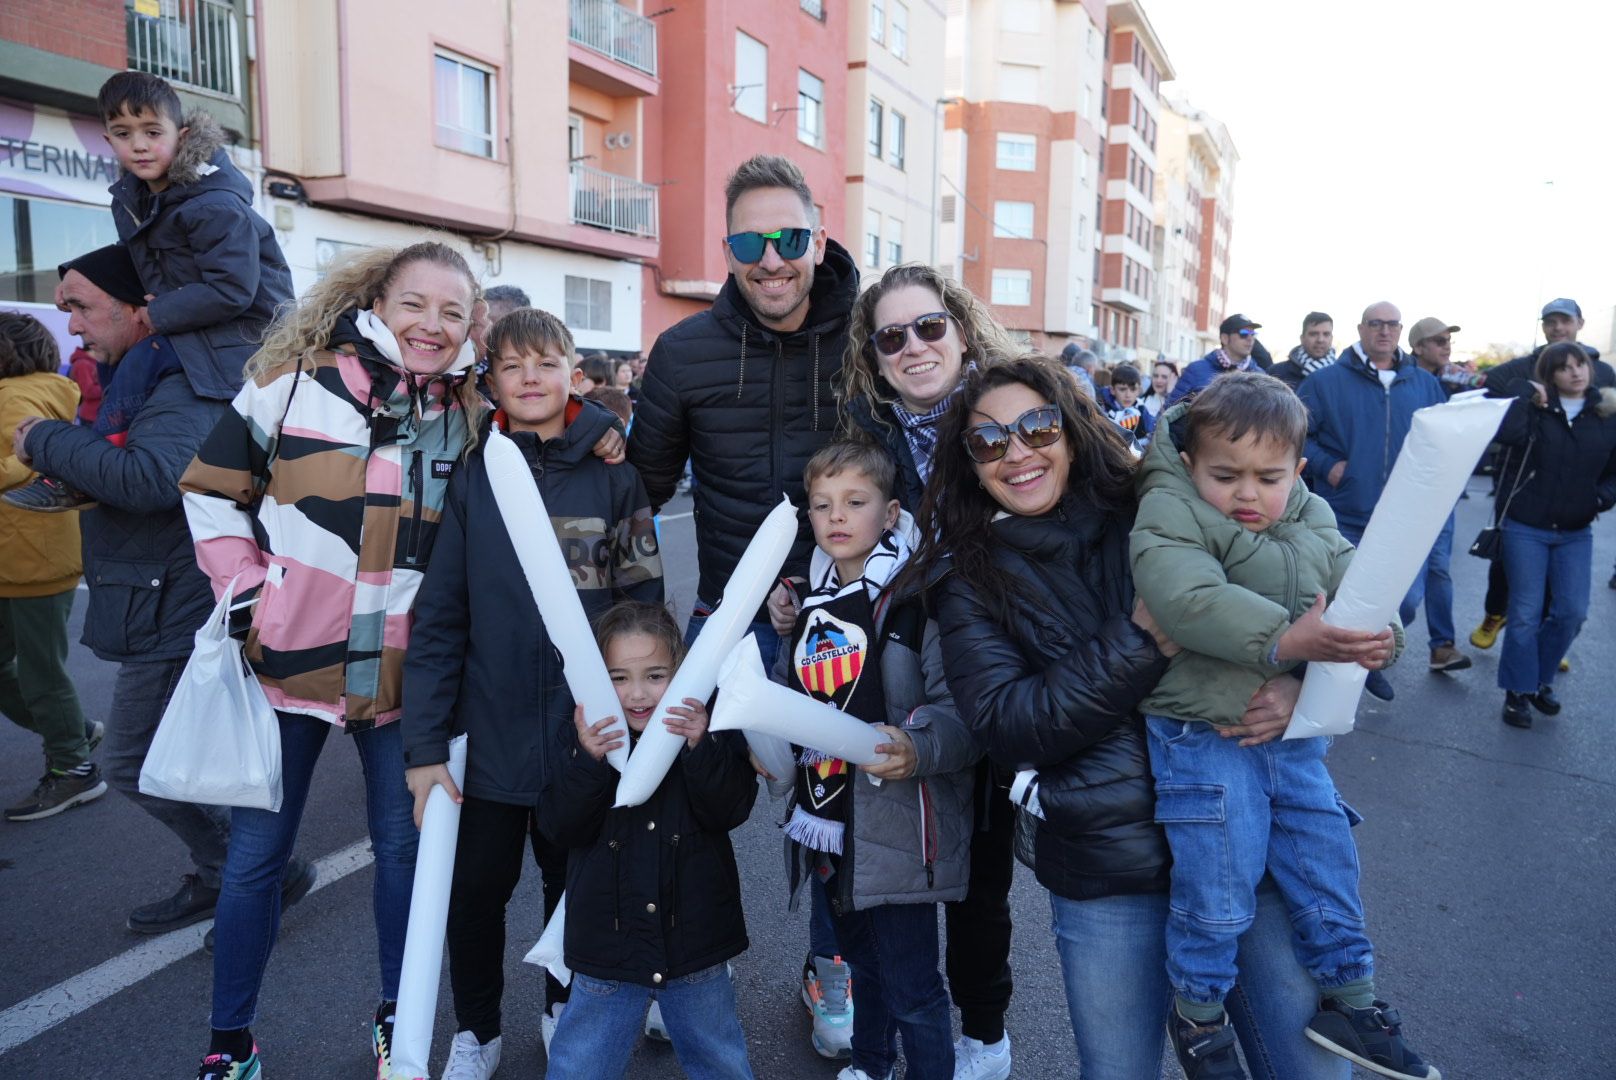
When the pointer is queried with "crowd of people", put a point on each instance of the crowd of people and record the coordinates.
(1072, 600)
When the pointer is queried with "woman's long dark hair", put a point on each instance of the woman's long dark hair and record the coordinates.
(957, 511)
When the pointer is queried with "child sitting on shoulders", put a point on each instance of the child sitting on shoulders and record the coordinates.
(890, 840)
(1234, 560)
(653, 893)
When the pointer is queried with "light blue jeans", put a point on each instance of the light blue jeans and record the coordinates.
(1536, 560)
(602, 1020)
(1434, 585)
(1113, 955)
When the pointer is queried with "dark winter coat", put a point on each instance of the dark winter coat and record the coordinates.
(876, 421)
(146, 595)
(652, 890)
(480, 661)
(1198, 375)
(1569, 474)
(1503, 380)
(1056, 687)
(214, 265)
(1353, 418)
(748, 407)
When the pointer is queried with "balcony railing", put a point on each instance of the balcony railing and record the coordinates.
(608, 201)
(612, 29)
(195, 43)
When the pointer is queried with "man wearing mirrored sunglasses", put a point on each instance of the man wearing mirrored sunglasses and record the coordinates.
(1360, 409)
(1238, 336)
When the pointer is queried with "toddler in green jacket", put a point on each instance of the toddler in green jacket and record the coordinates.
(1235, 559)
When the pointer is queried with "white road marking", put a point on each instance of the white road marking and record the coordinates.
(31, 1018)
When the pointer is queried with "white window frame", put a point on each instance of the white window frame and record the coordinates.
(575, 137)
(1009, 222)
(897, 138)
(455, 134)
(1016, 162)
(894, 241)
(592, 310)
(1012, 288)
(872, 239)
(751, 90)
(875, 120)
(878, 21)
(898, 25)
(810, 109)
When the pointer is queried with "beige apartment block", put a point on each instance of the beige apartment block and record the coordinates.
(1196, 174)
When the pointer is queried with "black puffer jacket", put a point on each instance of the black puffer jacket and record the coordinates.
(748, 407)
(480, 660)
(652, 890)
(1058, 690)
(147, 597)
(1568, 475)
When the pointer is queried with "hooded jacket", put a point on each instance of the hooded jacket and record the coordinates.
(1568, 475)
(748, 407)
(1056, 687)
(1221, 591)
(41, 550)
(324, 472)
(1353, 418)
(480, 661)
(213, 264)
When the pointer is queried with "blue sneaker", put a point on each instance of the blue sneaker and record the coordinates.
(1371, 1037)
(1379, 686)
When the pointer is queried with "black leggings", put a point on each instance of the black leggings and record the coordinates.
(488, 865)
(977, 957)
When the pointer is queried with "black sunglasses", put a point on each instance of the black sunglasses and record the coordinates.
(991, 441)
(890, 340)
(747, 247)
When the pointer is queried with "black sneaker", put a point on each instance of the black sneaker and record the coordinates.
(47, 496)
(1379, 686)
(1369, 1037)
(381, 1037)
(1516, 714)
(191, 904)
(1205, 1051)
(1545, 702)
(58, 791)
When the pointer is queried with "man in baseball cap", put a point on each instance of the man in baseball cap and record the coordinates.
(1238, 335)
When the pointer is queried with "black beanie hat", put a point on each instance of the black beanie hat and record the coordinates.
(112, 271)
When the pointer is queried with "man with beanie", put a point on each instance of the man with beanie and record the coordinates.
(147, 598)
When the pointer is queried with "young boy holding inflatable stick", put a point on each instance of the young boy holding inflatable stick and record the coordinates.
(481, 661)
(890, 839)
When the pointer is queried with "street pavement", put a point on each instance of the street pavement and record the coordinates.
(1489, 867)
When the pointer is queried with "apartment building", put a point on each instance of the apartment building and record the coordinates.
(894, 120)
(1137, 65)
(1219, 157)
(763, 77)
(1021, 161)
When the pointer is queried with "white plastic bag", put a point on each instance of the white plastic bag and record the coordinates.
(219, 742)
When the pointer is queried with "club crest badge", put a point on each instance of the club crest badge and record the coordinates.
(830, 657)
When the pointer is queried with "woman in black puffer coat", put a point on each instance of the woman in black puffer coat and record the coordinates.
(1048, 656)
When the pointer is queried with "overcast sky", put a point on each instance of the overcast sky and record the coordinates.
(1402, 149)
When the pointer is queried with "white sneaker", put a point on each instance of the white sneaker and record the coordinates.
(470, 1060)
(827, 990)
(974, 1060)
(850, 1073)
(547, 1025)
(654, 1027)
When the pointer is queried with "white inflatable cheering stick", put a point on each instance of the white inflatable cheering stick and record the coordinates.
(1442, 448)
(521, 507)
(429, 916)
(550, 952)
(748, 586)
(775, 716)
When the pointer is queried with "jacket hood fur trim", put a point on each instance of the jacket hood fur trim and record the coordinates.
(204, 138)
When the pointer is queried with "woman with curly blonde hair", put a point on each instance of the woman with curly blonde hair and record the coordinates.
(911, 336)
(319, 492)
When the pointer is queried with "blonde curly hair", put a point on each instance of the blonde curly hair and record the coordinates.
(355, 282)
(985, 341)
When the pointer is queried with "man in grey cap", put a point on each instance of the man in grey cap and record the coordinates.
(1562, 321)
(1432, 343)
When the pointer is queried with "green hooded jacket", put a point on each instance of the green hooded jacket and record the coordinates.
(1221, 591)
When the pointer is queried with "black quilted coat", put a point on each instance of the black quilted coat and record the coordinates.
(748, 407)
(1056, 687)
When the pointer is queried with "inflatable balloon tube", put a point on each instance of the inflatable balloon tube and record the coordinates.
(521, 507)
(748, 586)
(1442, 448)
(429, 916)
(550, 952)
(777, 716)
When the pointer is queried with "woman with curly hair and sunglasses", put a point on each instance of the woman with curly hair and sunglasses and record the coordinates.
(1025, 546)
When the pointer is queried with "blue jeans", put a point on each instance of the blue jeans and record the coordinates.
(1434, 585)
(249, 914)
(892, 950)
(1113, 963)
(602, 1021)
(1534, 640)
(1230, 813)
(822, 940)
